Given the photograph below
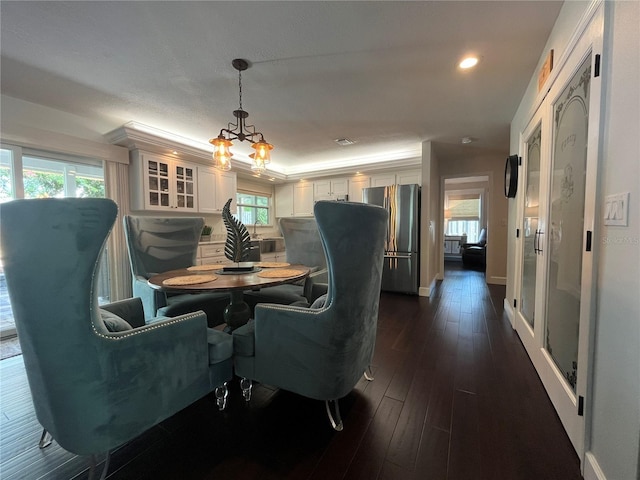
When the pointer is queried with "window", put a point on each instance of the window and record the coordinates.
(463, 214)
(253, 209)
(32, 174)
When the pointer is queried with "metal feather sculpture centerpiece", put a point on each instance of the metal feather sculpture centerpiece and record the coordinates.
(238, 245)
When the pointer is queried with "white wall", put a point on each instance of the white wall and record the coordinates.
(614, 438)
(430, 224)
(615, 433)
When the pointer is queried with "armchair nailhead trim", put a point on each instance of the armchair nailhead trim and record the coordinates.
(140, 330)
(310, 311)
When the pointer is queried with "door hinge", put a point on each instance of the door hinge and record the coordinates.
(517, 233)
(588, 242)
(519, 161)
(515, 303)
(596, 70)
(580, 405)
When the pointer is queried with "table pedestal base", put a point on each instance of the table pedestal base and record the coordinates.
(237, 313)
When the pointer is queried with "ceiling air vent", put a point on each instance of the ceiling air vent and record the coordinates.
(343, 142)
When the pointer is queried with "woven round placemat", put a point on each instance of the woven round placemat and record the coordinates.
(272, 264)
(189, 280)
(280, 273)
(203, 268)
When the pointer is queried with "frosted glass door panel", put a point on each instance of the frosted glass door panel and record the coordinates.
(530, 227)
(566, 221)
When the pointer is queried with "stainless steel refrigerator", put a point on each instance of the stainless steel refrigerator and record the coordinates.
(402, 258)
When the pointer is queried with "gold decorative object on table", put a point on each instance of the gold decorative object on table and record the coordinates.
(189, 280)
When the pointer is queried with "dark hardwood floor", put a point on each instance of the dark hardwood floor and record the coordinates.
(454, 397)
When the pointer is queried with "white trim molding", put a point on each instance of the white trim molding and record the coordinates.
(592, 470)
(30, 137)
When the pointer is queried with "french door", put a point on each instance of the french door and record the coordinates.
(556, 211)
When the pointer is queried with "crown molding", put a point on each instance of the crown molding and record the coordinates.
(139, 137)
(136, 136)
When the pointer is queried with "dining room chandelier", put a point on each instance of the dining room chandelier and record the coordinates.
(241, 131)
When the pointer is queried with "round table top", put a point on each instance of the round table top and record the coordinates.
(225, 281)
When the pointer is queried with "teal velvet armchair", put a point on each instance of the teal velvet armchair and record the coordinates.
(304, 247)
(96, 381)
(321, 353)
(160, 244)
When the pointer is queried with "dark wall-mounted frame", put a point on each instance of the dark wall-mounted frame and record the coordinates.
(511, 176)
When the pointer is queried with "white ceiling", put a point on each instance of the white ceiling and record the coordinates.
(383, 74)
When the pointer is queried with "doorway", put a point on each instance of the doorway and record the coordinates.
(464, 214)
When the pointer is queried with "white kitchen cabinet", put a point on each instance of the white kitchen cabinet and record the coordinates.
(383, 179)
(162, 183)
(334, 189)
(273, 257)
(211, 254)
(303, 199)
(356, 184)
(294, 200)
(215, 187)
(409, 177)
(226, 188)
(284, 200)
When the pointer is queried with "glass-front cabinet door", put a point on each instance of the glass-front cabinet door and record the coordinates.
(168, 184)
(556, 217)
(185, 187)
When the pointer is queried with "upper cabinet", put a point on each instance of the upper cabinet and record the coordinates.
(356, 184)
(383, 179)
(215, 188)
(162, 183)
(294, 200)
(334, 189)
(407, 177)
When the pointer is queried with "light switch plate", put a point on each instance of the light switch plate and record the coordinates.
(616, 209)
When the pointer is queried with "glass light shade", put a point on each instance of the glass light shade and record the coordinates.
(263, 152)
(221, 153)
(258, 165)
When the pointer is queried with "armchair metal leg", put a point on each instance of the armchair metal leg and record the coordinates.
(92, 470)
(368, 375)
(336, 422)
(245, 385)
(221, 393)
(45, 439)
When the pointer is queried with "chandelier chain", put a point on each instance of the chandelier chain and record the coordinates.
(240, 87)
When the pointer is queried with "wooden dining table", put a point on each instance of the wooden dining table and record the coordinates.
(237, 313)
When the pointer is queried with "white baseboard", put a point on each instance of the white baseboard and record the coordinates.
(493, 280)
(508, 308)
(428, 291)
(592, 470)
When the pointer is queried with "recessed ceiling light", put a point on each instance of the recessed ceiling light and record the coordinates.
(468, 62)
(466, 140)
(344, 141)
